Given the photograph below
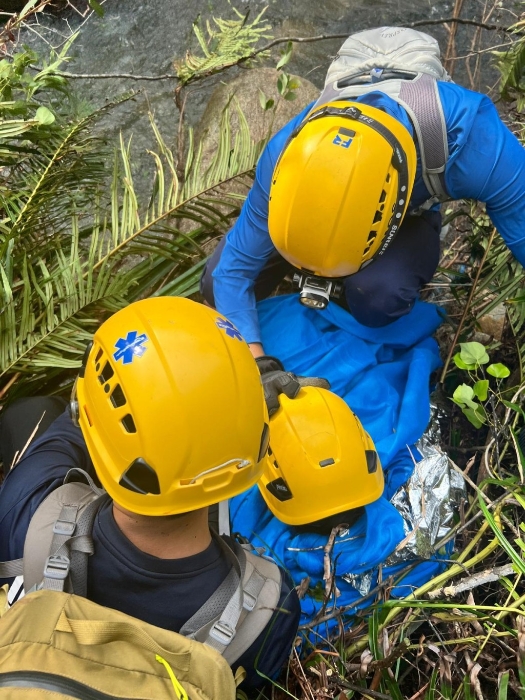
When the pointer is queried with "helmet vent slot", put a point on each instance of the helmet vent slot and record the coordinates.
(117, 397)
(371, 238)
(141, 478)
(106, 374)
(265, 439)
(99, 355)
(129, 423)
(371, 461)
(377, 217)
(383, 196)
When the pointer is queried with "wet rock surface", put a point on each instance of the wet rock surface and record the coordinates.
(142, 37)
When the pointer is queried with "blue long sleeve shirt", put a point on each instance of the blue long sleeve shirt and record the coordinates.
(486, 162)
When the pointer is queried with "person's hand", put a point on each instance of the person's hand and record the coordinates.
(276, 381)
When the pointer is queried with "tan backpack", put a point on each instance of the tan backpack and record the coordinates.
(58, 544)
(60, 645)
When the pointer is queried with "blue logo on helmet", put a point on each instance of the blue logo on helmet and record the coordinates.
(228, 328)
(130, 347)
(345, 143)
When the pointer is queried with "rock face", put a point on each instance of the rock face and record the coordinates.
(245, 90)
(493, 323)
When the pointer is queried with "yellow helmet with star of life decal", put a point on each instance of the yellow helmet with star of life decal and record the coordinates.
(340, 188)
(321, 462)
(171, 406)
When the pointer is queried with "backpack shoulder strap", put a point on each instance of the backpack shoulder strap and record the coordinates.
(230, 628)
(421, 99)
(58, 539)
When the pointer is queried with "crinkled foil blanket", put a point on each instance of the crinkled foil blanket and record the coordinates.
(427, 503)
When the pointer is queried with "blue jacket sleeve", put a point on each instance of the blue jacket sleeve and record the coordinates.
(248, 244)
(41, 470)
(487, 163)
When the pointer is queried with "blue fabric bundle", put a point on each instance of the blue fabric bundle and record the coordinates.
(384, 376)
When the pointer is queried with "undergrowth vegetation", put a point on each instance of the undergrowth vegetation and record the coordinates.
(76, 244)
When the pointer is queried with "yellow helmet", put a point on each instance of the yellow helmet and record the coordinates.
(341, 188)
(171, 406)
(321, 462)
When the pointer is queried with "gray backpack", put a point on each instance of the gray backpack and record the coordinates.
(58, 544)
(404, 64)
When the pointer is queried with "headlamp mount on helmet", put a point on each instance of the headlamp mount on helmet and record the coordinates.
(315, 291)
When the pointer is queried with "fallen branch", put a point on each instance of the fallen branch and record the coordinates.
(466, 584)
(328, 577)
(277, 42)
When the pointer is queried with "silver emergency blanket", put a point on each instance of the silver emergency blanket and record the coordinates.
(427, 503)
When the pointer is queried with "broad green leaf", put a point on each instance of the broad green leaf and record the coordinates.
(462, 365)
(98, 9)
(286, 55)
(290, 96)
(481, 389)
(464, 394)
(473, 353)
(44, 116)
(282, 83)
(475, 415)
(498, 370)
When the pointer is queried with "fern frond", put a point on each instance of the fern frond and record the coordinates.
(228, 41)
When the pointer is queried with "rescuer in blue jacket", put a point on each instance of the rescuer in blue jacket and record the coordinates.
(347, 194)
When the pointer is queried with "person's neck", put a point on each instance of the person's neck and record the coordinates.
(165, 537)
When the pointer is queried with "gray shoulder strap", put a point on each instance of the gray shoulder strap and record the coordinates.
(221, 612)
(420, 97)
(58, 539)
(221, 622)
(10, 569)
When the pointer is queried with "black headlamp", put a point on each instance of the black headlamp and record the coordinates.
(315, 292)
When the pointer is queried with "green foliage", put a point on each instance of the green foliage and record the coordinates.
(511, 65)
(223, 43)
(472, 358)
(75, 243)
(286, 84)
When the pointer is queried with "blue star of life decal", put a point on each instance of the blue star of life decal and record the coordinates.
(130, 347)
(228, 328)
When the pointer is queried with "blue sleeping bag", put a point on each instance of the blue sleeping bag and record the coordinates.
(384, 376)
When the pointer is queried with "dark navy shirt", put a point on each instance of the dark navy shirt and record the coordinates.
(162, 592)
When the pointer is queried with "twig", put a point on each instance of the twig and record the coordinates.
(277, 42)
(466, 584)
(9, 384)
(364, 691)
(451, 45)
(328, 576)
(467, 307)
(391, 658)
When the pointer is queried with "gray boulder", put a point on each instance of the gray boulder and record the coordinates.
(245, 91)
